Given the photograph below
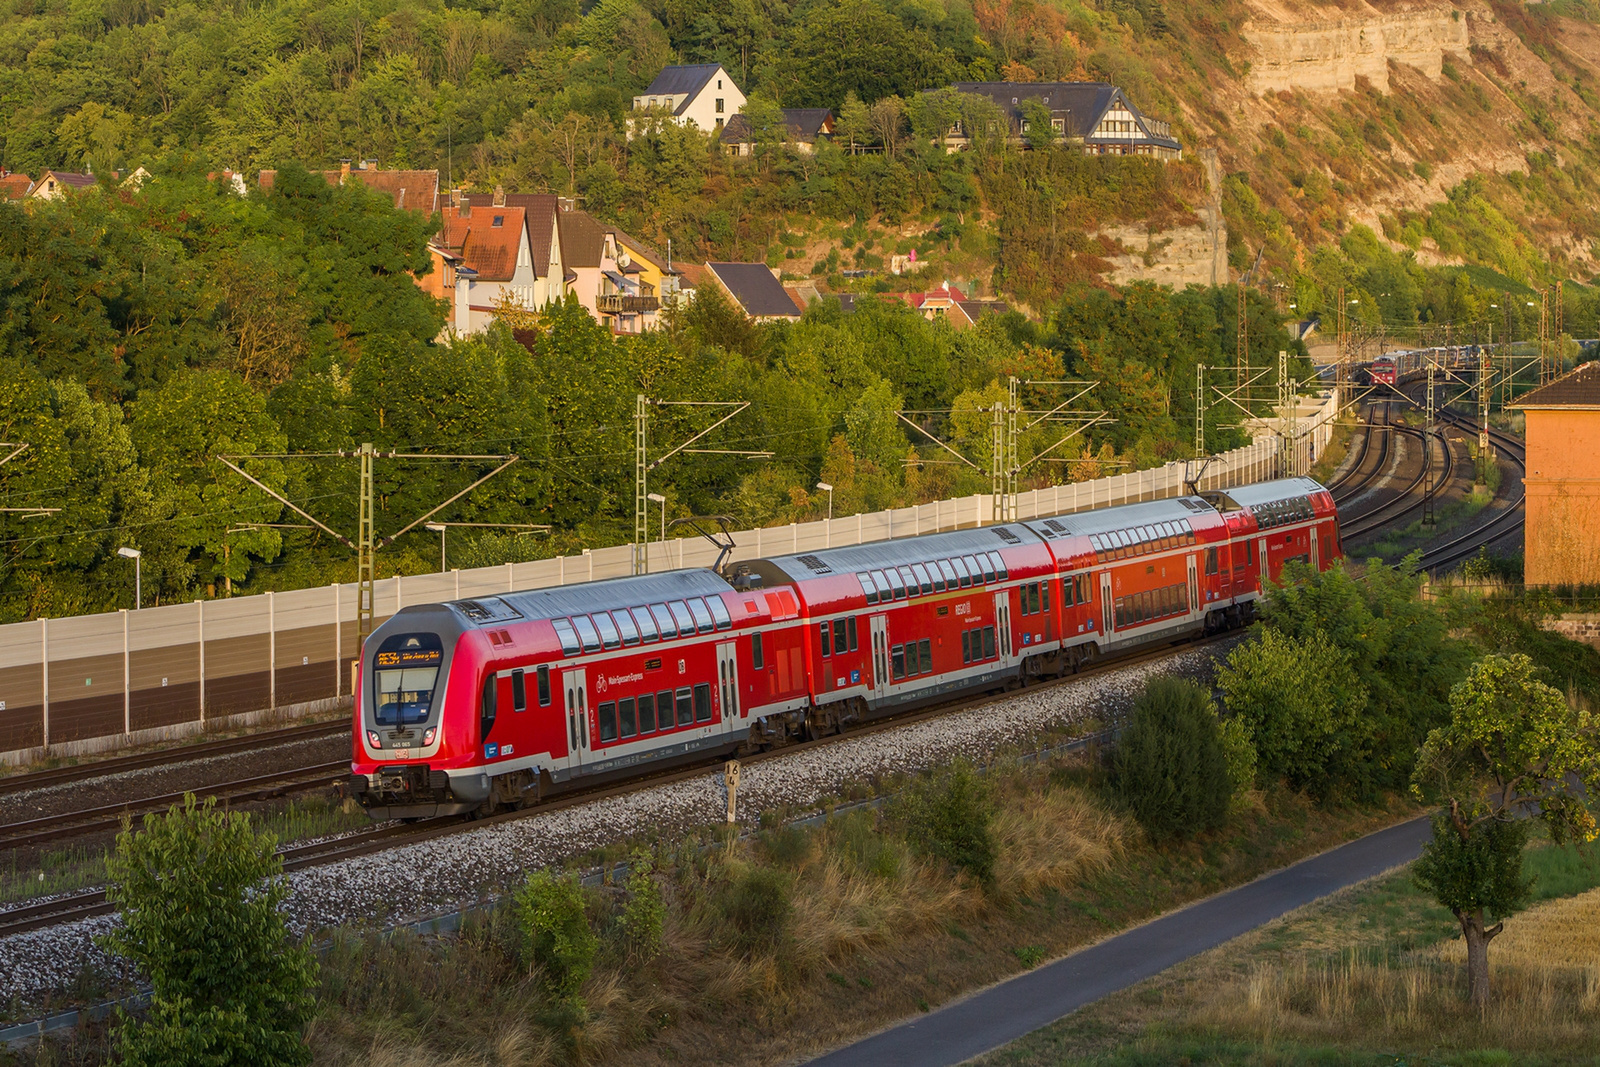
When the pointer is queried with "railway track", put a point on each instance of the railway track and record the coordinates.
(1353, 483)
(16, 783)
(1506, 521)
(109, 817)
(92, 903)
(1386, 513)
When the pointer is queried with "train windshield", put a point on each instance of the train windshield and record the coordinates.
(406, 671)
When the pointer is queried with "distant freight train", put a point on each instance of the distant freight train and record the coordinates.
(479, 704)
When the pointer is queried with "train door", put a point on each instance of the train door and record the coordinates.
(577, 704)
(1311, 535)
(880, 655)
(1266, 572)
(1105, 605)
(728, 685)
(1194, 584)
(1002, 623)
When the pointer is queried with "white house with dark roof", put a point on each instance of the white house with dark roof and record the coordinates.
(699, 94)
(1095, 115)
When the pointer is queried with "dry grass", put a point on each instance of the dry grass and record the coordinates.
(1050, 840)
(1556, 934)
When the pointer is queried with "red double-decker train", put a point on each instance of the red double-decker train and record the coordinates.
(478, 704)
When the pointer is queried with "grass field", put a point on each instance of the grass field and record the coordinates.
(1373, 975)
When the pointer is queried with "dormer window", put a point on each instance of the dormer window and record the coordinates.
(499, 220)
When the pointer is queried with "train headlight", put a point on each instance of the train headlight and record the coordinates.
(373, 739)
(429, 734)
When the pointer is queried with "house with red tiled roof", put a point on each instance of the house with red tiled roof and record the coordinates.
(950, 304)
(14, 186)
(411, 190)
(483, 263)
(54, 184)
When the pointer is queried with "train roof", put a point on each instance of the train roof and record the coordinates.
(1256, 494)
(561, 601)
(1121, 517)
(904, 550)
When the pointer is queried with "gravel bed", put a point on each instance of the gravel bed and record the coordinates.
(144, 782)
(414, 881)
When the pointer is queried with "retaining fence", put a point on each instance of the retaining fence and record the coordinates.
(95, 683)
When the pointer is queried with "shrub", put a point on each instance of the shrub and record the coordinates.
(555, 932)
(1239, 749)
(1169, 766)
(756, 904)
(1305, 709)
(949, 817)
(199, 894)
(644, 915)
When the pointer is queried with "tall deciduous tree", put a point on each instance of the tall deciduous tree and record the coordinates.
(1512, 748)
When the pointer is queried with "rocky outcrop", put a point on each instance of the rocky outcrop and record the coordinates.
(1329, 56)
(1183, 255)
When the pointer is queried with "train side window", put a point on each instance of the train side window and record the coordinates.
(827, 645)
(544, 687)
(988, 566)
(755, 652)
(1250, 552)
(681, 617)
(1044, 596)
(702, 702)
(664, 709)
(924, 582)
(884, 593)
(624, 620)
(1034, 598)
(840, 642)
(719, 611)
(964, 575)
(897, 659)
(647, 624)
(491, 694)
(647, 713)
(630, 727)
(568, 637)
(988, 642)
(851, 628)
(896, 583)
(966, 646)
(950, 578)
(586, 631)
(608, 721)
(519, 691)
(999, 562)
(702, 615)
(925, 648)
(685, 708)
(1121, 612)
(609, 636)
(1211, 561)
(868, 587)
(972, 565)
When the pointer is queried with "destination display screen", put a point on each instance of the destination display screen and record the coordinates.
(411, 657)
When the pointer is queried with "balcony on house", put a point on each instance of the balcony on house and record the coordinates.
(626, 304)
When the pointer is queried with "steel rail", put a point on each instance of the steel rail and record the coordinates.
(1386, 513)
(92, 903)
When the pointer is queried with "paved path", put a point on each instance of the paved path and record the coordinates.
(1002, 1013)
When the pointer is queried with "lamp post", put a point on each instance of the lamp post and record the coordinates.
(829, 490)
(439, 528)
(138, 574)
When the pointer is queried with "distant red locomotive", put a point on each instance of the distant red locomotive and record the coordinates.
(479, 704)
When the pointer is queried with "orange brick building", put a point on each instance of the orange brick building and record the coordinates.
(1562, 538)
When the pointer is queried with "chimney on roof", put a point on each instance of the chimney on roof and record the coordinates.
(369, 164)
(499, 196)
(344, 170)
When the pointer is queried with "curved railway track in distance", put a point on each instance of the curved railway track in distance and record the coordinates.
(1504, 522)
(92, 903)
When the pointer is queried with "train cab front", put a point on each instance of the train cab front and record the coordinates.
(409, 762)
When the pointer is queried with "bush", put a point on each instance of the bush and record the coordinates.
(1305, 709)
(199, 893)
(756, 904)
(1169, 766)
(644, 916)
(949, 817)
(555, 932)
(1239, 749)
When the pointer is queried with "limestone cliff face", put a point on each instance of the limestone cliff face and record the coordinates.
(1327, 56)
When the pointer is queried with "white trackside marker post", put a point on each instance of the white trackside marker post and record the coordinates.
(730, 774)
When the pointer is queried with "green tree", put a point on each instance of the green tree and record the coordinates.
(854, 127)
(1036, 128)
(199, 894)
(1170, 766)
(1512, 748)
(1305, 708)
